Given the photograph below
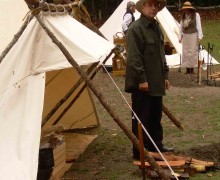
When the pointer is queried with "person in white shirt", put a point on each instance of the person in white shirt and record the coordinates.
(190, 36)
(128, 17)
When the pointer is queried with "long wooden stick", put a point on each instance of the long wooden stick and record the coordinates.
(15, 39)
(172, 118)
(141, 149)
(100, 97)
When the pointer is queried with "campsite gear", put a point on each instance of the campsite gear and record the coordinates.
(209, 62)
(200, 63)
(45, 158)
(45, 163)
(162, 4)
(118, 65)
(141, 150)
(118, 61)
(119, 39)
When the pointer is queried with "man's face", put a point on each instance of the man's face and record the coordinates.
(133, 8)
(150, 9)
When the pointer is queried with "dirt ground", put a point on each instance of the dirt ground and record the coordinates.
(197, 107)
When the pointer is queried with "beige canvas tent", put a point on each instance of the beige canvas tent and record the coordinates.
(34, 76)
(83, 118)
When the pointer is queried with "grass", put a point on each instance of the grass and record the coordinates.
(211, 32)
(109, 156)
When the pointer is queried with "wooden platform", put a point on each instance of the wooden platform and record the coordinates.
(76, 144)
(184, 166)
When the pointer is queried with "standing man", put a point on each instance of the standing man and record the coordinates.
(128, 17)
(147, 73)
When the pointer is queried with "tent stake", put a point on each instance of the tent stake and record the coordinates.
(129, 134)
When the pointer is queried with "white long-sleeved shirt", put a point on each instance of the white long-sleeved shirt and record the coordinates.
(198, 27)
(126, 21)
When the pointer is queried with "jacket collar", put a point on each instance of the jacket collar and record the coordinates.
(146, 21)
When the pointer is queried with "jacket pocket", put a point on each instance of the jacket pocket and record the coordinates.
(149, 46)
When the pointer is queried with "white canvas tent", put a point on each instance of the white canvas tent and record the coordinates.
(9, 26)
(25, 70)
(169, 26)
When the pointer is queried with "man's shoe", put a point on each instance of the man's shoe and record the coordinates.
(166, 149)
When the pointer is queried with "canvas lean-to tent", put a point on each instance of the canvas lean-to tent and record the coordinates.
(34, 75)
(168, 24)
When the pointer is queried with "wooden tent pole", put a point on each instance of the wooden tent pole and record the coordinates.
(172, 117)
(141, 149)
(15, 39)
(100, 97)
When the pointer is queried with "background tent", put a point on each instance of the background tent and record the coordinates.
(169, 26)
(23, 74)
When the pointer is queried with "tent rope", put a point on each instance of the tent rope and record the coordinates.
(146, 132)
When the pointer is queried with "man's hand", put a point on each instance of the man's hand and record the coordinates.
(143, 86)
(167, 84)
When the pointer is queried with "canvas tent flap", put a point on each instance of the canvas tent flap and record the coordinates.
(22, 86)
(20, 124)
(81, 114)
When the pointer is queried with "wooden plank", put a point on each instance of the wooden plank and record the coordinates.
(162, 163)
(60, 152)
(204, 163)
(59, 167)
(60, 160)
(172, 157)
(59, 148)
(59, 175)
